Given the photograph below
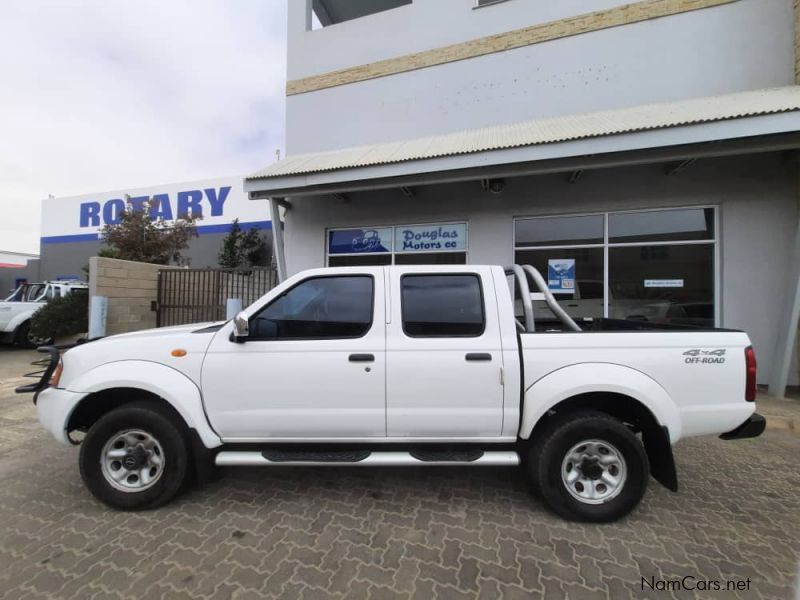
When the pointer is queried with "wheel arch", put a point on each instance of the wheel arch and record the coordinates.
(623, 393)
(106, 390)
(597, 381)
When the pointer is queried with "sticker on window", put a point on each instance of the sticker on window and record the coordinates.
(663, 283)
(561, 275)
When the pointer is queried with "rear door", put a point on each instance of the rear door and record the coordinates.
(444, 355)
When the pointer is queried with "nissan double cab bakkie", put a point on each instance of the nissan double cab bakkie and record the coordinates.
(16, 310)
(401, 366)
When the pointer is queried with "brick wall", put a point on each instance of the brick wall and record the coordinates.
(130, 288)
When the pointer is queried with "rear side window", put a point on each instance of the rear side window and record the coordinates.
(442, 305)
(319, 308)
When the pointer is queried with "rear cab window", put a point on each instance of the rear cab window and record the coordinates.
(442, 305)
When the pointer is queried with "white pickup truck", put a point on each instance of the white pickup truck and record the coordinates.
(400, 366)
(16, 310)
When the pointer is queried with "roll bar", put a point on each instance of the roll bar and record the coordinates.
(521, 274)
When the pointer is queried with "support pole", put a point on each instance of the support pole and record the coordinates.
(277, 237)
(790, 315)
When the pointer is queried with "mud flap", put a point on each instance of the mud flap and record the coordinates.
(659, 452)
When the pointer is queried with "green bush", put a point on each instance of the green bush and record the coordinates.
(62, 317)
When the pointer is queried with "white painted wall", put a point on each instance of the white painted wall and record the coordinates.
(756, 198)
(744, 45)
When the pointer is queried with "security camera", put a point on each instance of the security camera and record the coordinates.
(494, 186)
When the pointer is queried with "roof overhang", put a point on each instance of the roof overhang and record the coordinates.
(746, 122)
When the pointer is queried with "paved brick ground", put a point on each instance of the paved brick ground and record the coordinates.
(444, 533)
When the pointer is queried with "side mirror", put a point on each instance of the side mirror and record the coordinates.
(241, 327)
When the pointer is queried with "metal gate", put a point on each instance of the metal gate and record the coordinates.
(200, 295)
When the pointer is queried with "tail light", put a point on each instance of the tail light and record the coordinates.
(750, 380)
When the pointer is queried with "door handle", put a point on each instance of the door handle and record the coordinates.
(361, 358)
(476, 356)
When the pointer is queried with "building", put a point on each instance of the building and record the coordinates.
(71, 225)
(13, 270)
(649, 146)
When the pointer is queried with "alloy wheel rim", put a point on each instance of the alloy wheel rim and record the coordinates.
(132, 461)
(594, 471)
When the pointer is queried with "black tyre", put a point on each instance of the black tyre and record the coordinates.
(589, 466)
(136, 457)
(24, 338)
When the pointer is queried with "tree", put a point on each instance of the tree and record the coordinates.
(62, 317)
(242, 249)
(230, 256)
(138, 237)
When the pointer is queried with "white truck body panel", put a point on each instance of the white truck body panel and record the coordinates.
(416, 388)
(449, 396)
(690, 398)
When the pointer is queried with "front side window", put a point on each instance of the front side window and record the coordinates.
(442, 305)
(319, 308)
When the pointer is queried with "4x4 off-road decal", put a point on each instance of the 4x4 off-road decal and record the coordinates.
(705, 357)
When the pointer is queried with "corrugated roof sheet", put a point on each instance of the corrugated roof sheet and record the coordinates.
(544, 131)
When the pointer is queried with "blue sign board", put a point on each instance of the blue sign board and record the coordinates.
(360, 241)
(561, 275)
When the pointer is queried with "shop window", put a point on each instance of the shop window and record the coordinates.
(586, 298)
(661, 226)
(677, 289)
(559, 231)
(434, 244)
(442, 305)
(656, 265)
(369, 260)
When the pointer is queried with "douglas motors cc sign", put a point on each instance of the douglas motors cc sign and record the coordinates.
(450, 237)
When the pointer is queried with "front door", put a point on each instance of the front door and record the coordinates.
(444, 354)
(314, 365)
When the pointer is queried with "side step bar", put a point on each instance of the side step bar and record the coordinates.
(372, 459)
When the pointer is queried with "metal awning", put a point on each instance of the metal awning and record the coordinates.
(477, 147)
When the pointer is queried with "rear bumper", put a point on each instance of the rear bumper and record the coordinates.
(752, 427)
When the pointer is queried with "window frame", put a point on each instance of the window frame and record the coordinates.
(306, 339)
(606, 245)
(443, 274)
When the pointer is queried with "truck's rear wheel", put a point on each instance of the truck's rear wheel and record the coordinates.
(135, 457)
(589, 467)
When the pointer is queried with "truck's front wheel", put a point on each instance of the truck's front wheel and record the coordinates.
(135, 457)
(589, 467)
(26, 339)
